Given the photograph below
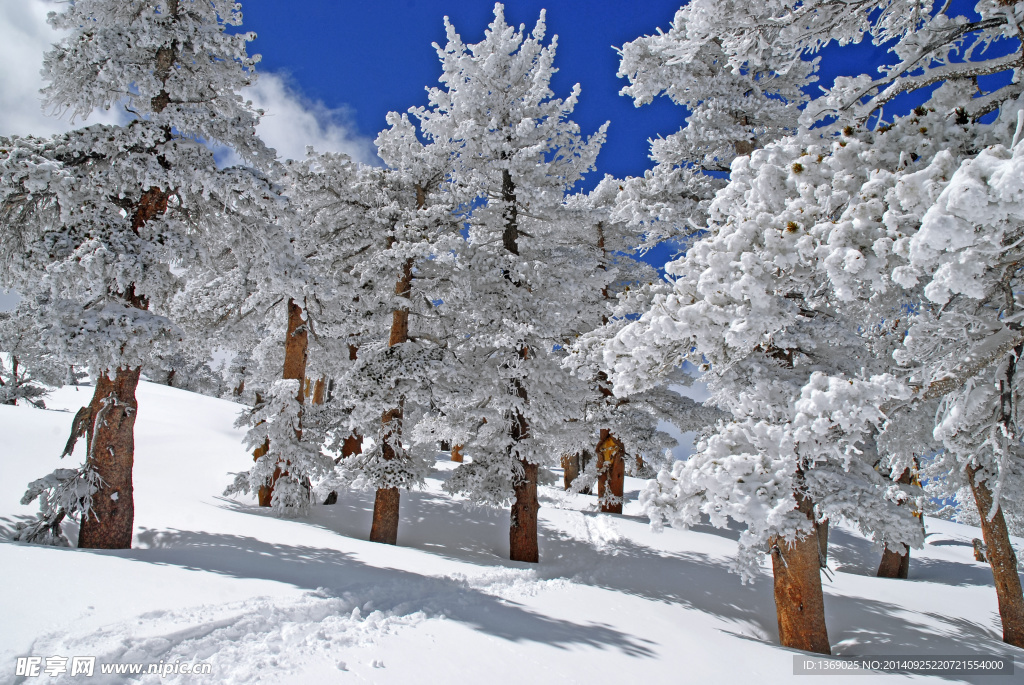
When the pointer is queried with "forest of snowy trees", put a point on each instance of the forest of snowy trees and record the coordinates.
(845, 285)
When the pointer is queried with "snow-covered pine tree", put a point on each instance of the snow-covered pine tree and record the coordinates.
(511, 303)
(808, 232)
(95, 219)
(302, 326)
(27, 370)
(963, 347)
(420, 231)
(958, 238)
(619, 426)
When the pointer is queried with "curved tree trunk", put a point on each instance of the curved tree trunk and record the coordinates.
(894, 564)
(1003, 561)
(612, 472)
(111, 436)
(799, 601)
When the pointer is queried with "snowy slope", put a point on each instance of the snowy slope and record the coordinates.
(217, 580)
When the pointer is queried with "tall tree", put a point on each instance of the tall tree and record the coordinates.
(515, 154)
(96, 219)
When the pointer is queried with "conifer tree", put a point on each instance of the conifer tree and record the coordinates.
(810, 241)
(95, 219)
(509, 308)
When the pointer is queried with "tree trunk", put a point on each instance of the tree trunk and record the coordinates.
(821, 529)
(570, 469)
(353, 444)
(111, 432)
(799, 602)
(111, 454)
(523, 530)
(523, 524)
(385, 516)
(612, 472)
(1003, 561)
(266, 492)
(894, 564)
(457, 454)
(385, 505)
(522, 535)
(296, 350)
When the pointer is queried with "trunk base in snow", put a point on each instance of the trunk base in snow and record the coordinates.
(110, 522)
(894, 565)
(799, 601)
(522, 533)
(385, 516)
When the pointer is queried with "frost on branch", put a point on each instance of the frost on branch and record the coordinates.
(63, 493)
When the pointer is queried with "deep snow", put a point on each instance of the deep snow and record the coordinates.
(219, 580)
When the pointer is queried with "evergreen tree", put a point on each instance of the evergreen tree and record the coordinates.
(100, 222)
(804, 245)
(511, 304)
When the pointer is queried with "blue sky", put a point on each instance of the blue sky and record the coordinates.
(364, 59)
(373, 57)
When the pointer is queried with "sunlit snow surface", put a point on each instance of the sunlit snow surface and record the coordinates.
(299, 601)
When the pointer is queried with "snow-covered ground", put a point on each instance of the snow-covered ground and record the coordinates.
(220, 581)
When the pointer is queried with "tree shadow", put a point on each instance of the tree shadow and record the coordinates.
(696, 581)
(340, 574)
(857, 556)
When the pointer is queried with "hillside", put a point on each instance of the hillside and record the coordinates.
(220, 581)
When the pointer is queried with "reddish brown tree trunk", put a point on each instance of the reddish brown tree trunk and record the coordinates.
(570, 469)
(111, 454)
(894, 564)
(296, 350)
(523, 530)
(266, 492)
(1003, 561)
(318, 391)
(457, 453)
(611, 471)
(111, 433)
(522, 534)
(385, 516)
(799, 602)
(353, 444)
(385, 505)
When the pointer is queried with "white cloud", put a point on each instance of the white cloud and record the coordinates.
(24, 37)
(293, 121)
